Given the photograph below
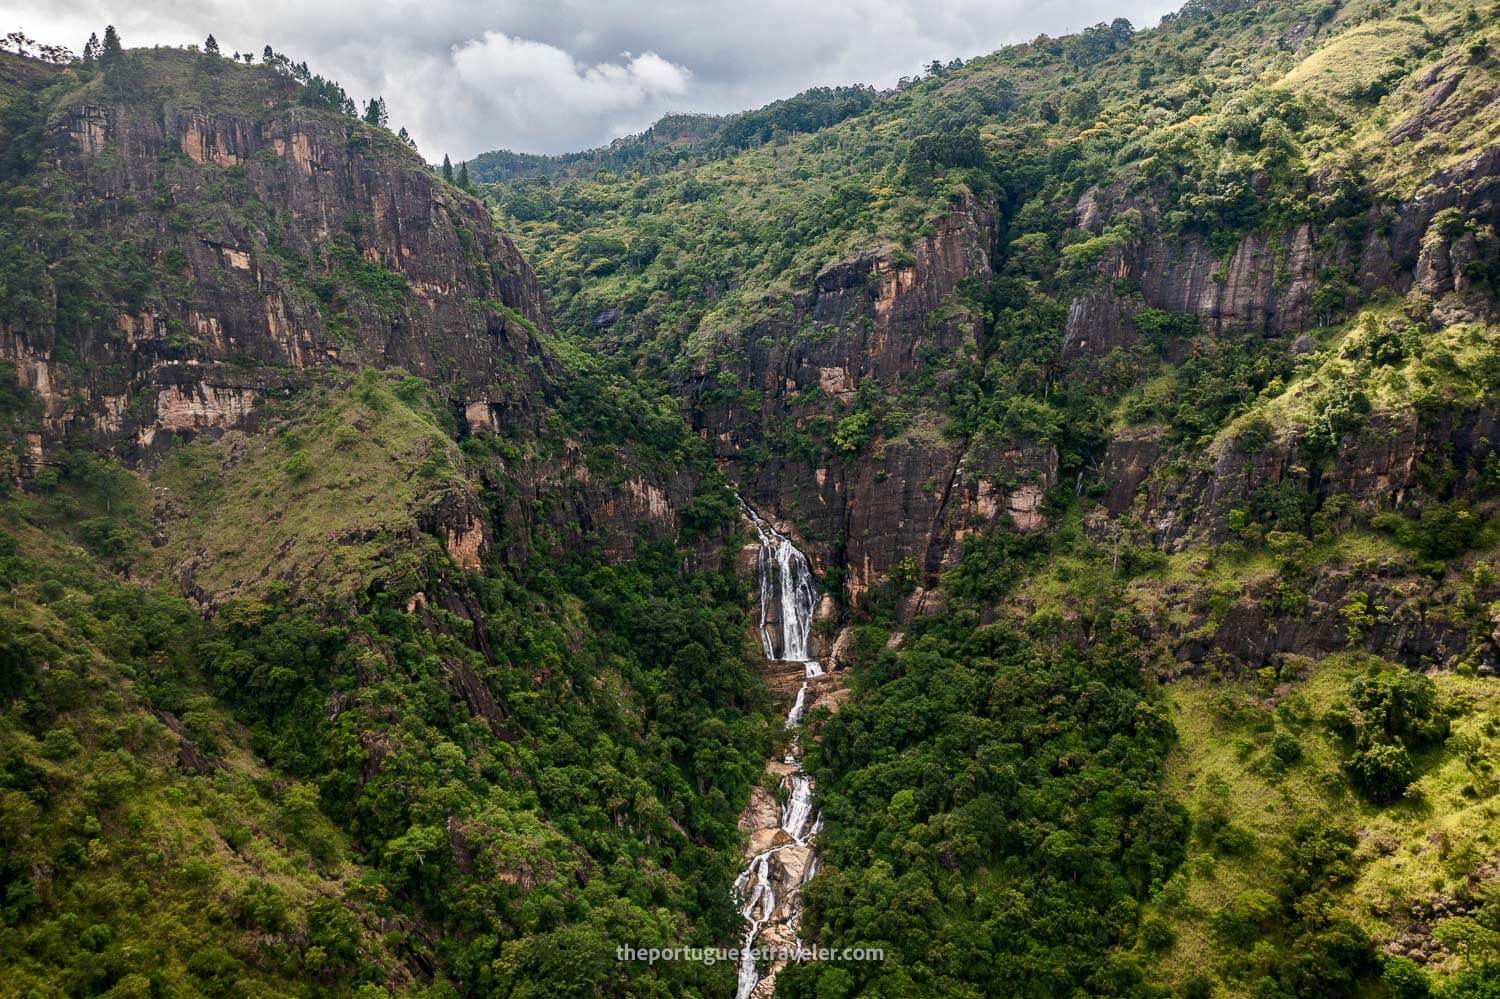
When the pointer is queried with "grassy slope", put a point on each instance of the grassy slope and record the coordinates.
(1430, 846)
(330, 495)
(145, 862)
(719, 217)
(1427, 846)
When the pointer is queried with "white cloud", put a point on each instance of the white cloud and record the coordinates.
(467, 76)
(530, 90)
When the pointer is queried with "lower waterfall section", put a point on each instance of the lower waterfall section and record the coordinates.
(780, 856)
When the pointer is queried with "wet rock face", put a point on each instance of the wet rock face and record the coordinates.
(913, 500)
(281, 240)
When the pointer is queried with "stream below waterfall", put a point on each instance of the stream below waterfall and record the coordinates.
(769, 889)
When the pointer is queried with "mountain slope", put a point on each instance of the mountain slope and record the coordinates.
(436, 713)
(1116, 384)
(379, 620)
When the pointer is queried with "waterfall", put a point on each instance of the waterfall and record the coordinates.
(798, 807)
(794, 717)
(786, 584)
(756, 911)
(788, 600)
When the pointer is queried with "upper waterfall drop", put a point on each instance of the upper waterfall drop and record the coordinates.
(786, 583)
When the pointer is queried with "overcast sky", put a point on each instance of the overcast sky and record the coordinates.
(550, 76)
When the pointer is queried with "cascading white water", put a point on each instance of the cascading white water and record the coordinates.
(794, 717)
(786, 587)
(798, 808)
(786, 583)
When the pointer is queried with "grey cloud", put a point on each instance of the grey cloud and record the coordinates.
(549, 77)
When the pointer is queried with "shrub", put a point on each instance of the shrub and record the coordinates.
(298, 466)
(1382, 771)
(1286, 749)
(1405, 979)
(852, 435)
(410, 389)
(1246, 917)
(1445, 531)
(1360, 614)
(215, 969)
(1157, 935)
(1399, 704)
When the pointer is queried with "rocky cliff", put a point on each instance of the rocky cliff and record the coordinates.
(891, 325)
(207, 250)
(1168, 352)
(912, 498)
(343, 525)
(263, 242)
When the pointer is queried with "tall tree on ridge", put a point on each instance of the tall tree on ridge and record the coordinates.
(375, 113)
(112, 51)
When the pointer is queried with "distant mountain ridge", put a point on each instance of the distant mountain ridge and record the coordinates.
(676, 137)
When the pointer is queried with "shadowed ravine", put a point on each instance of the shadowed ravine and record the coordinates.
(780, 855)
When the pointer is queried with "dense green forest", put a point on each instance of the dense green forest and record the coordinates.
(184, 814)
(681, 138)
(378, 618)
(1014, 805)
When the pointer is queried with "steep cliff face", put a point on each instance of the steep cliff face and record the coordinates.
(1172, 353)
(264, 242)
(891, 324)
(1380, 466)
(256, 354)
(1348, 432)
(208, 253)
(1269, 283)
(1425, 245)
(1147, 250)
(872, 318)
(917, 495)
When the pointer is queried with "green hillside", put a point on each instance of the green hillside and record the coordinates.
(1076, 774)
(378, 617)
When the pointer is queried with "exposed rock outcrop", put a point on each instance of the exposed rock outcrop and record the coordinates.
(275, 247)
(278, 240)
(1377, 467)
(873, 318)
